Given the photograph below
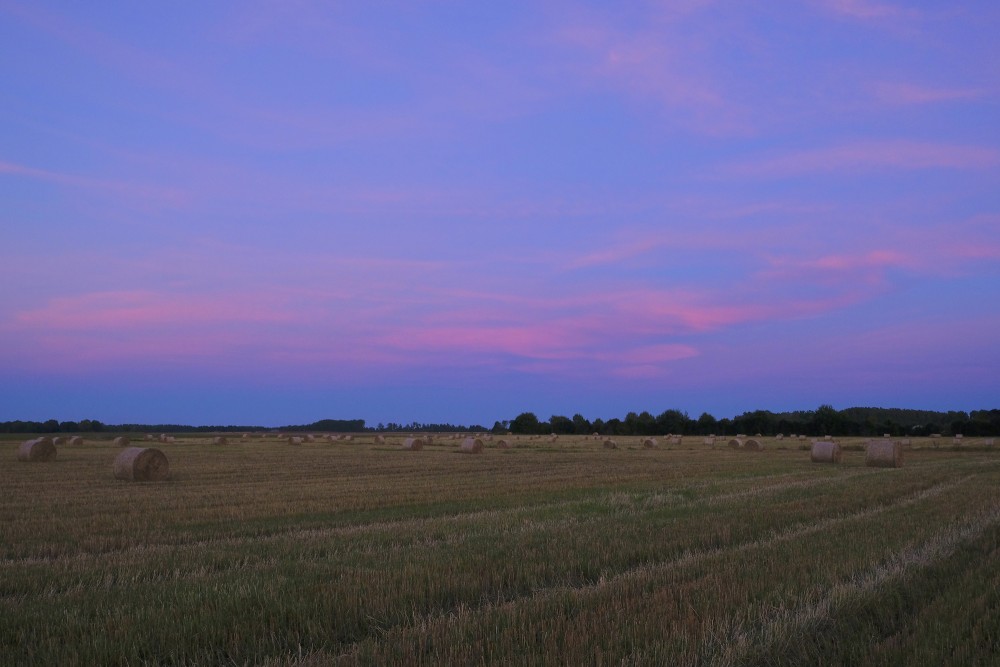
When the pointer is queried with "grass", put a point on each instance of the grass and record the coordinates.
(355, 553)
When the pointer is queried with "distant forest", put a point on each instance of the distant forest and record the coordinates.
(825, 420)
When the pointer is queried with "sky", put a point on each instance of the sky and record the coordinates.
(264, 212)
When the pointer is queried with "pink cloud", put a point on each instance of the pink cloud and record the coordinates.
(899, 155)
(114, 311)
(903, 94)
(864, 9)
(135, 191)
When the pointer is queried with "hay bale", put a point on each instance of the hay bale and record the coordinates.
(148, 436)
(413, 444)
(37, 449)
(503, 443)
(245, 436)
(884, 454)
(472, 446)
(553, 437)
(649, 443)
(58, 440)
(295, 440)
(163, 437)
(349, 438)
(886, 435)
(219, 440)
(676, 440)
(780, 436)
(826, 452)
(753, 445)
(76, 440)
(309, 437)
(141, 464)
(710, 441)
(121, 441)
(380, 439)
(736, 443)
(610, 444)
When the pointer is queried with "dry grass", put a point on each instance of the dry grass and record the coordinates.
(562, 552)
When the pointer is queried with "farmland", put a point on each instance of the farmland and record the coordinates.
(342, 553)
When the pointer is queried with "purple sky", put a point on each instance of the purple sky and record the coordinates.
(277, 212)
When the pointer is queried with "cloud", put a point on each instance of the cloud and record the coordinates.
(900, 155)
(138, 192)
(908, 94)
(865, 10)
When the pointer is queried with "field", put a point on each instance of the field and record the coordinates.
(343, 553)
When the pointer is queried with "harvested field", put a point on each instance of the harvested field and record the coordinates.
(544, 552)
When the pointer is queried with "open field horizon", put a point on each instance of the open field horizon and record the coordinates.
(547, 551)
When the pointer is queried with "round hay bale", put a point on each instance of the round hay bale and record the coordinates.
(736, 443)
(752, 445)
(37, 449)
(379, 439)
(610, 444)
(295, 440)
(553, 437)
(121, 441)
(245, 436)
(413, 444)
(141, 464)
(884, 454)
(503, 443)
(163, 437)
(472, 446)
(148, 436)
(709, 441)
(649, 443)
(825, 452)
(349, 438)
(76, 440)
(676, 440)
(219, 440)
(58, 440)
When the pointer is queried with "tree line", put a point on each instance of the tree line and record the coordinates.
(825, 420)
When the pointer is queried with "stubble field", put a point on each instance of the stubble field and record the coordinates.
(343, 553)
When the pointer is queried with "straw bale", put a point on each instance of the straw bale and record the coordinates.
(884, 454)
(649, 443)
(121, 441)
(676, 440)
(37, 449)
(472, 446)
(245, 436)
(780, 436)
(309, 437)
(413, 444)
(503, 443)
(58, 440)
(141, 464)
(826, 452)
(736, 443)
(610, 444)
(219, 440)
(752, 445)
(886, 435)
(162, 437)
(295, 440)
(553, 437)
(379, 439)
(349, 438)
(76, 440)
(988, 442)
(741, 435)
(708, 441)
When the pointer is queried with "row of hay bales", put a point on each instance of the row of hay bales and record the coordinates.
(467, 446)
(136, 464)
(878, 453)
